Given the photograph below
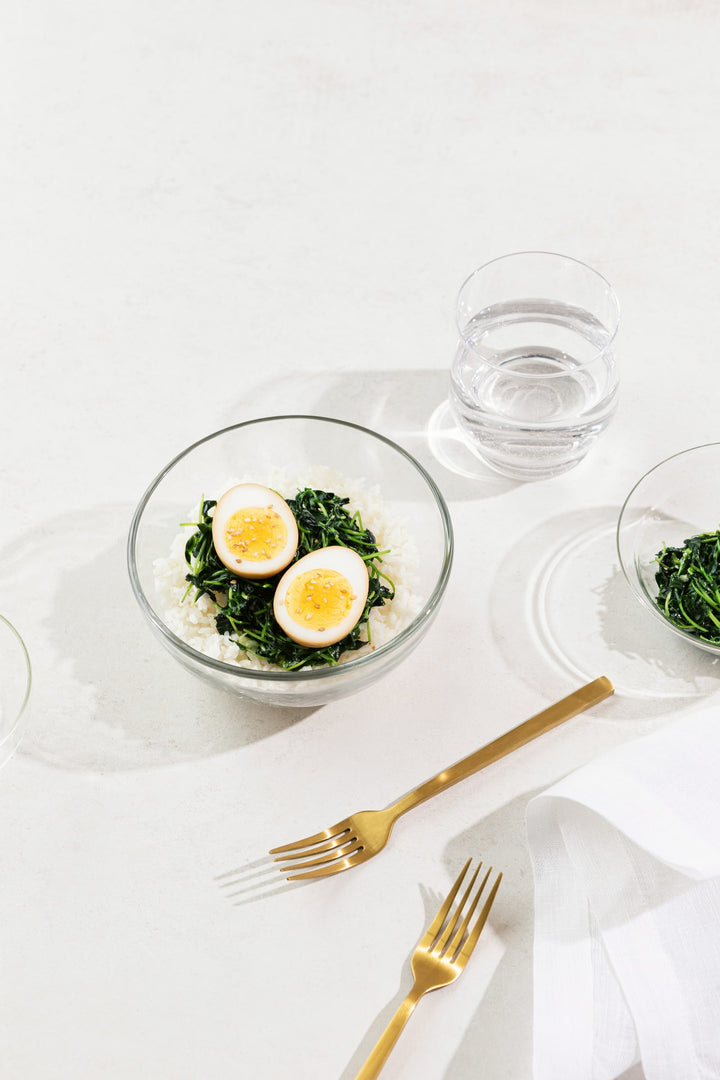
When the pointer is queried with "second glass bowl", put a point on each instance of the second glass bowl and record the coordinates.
(677, 499)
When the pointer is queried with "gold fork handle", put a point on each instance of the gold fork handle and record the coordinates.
(381, 1051)
(563, 710)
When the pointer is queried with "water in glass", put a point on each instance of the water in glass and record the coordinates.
(533, 385)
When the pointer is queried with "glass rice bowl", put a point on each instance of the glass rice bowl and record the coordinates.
(15, 682)
(397, 499)
(674, 501)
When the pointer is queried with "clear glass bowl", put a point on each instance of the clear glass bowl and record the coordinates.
(675, 500)
(256, 449)
(15, 683)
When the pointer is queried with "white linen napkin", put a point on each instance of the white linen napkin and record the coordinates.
(626, 863)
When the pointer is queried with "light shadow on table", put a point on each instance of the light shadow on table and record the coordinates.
(106, 695)
(560, 605)
(506, 1047)
(634, 1073)
(253, 881)
(409, 407)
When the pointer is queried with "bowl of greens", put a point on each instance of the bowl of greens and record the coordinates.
(292, 560)
(668, 541)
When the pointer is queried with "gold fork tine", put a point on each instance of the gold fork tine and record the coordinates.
(439, 958)
(449, 934)
(329, 859)
(438, 922)
(472, 940)
(326, 834)
(345, 837)
(326, 871)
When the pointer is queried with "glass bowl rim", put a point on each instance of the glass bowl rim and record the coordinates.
(10, 735)
(551, 255)
(631, 577)
(303, 675)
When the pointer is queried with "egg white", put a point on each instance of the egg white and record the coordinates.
(341, 560)
(243, 497)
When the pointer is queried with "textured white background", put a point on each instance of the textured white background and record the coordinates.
(210, 212)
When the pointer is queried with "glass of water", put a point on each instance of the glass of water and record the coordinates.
(534, 382)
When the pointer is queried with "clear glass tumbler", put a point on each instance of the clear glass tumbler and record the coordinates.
(534, 381)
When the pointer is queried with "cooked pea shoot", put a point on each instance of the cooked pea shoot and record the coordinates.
(245, 607)
(688, 580)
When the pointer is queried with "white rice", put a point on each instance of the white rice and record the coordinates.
(193, 621)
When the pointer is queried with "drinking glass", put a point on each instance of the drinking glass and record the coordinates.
(534, 381)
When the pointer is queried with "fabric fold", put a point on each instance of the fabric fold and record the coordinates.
(626, 863)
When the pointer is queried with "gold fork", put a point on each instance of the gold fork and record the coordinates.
(438, 959)
(363, 834)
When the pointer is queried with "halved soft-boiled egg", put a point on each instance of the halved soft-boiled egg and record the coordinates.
(254, 531)
(321, 597)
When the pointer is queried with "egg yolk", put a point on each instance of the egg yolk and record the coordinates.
(319, 599)
(255, 533)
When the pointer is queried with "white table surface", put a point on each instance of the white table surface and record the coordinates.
(214, 212)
